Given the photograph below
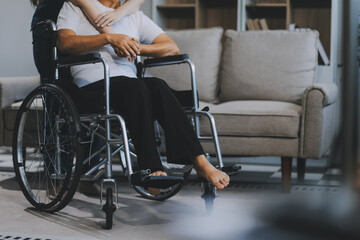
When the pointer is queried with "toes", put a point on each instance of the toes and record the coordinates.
(158, 173)
(219, 183)
(227, 178)
(223, 182)
(220, 186)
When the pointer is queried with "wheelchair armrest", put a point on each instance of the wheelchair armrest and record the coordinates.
(78, 60)
(162, 61)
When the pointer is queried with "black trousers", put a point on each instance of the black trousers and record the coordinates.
(140, 102)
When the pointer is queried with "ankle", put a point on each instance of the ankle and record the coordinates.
(202, 164)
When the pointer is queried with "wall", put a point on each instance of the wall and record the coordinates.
(146, 7)
(16, 58)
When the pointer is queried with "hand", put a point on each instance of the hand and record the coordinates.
(121, 54)
(108, 18)
(125, 46)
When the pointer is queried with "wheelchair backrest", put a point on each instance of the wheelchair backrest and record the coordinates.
(45, 39)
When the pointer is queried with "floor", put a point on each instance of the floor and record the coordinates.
(240, 209)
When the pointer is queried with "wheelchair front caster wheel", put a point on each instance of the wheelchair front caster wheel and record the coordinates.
(109, 208)
(209, 195)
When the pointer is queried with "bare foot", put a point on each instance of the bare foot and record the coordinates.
(156, 191)
(206, 170)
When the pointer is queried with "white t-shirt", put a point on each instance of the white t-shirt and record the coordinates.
(136, 25)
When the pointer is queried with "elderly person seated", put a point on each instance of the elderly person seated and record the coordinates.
(139, 101)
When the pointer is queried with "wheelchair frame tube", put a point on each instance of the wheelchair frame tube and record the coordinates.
(125, 143)
(215, 135)
(109, 140)
(57, 148)
(108, 166)
(195, 96)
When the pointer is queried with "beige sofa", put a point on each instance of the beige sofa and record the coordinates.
(262, 91)
(260, 87)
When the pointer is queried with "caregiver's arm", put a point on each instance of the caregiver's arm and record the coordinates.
(103, 20)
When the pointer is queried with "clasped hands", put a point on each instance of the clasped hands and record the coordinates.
(125, 46)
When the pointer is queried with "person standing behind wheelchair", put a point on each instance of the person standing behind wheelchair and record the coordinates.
(49, 9)
(139, 101)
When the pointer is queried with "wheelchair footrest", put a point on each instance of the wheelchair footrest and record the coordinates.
(231, 170)
(137, 179)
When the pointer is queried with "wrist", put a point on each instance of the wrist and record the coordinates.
(108, 38)
(143, 50)
(121, 13)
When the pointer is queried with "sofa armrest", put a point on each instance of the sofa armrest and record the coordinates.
(318, 123)
(329, 90)
(16, 88)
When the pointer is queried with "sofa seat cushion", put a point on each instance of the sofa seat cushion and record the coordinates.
(254, 119)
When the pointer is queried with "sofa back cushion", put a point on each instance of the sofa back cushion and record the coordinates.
(268, 65)
(204, 48)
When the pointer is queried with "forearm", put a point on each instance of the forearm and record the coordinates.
(129, 7)
(97, 18)
(92, 12)
(74, 44)
(162, 49)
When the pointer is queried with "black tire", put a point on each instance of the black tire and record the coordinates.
(109, 208)
(209, 204)
(171, 170)
(45, 148)
(208, 196)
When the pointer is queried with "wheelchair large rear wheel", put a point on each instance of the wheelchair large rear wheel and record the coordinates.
(171, 170)
(46, 155)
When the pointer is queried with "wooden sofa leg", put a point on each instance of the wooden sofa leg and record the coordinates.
(286, 168)
(301, 165)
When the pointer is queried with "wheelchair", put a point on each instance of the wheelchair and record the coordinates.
(52, 141)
